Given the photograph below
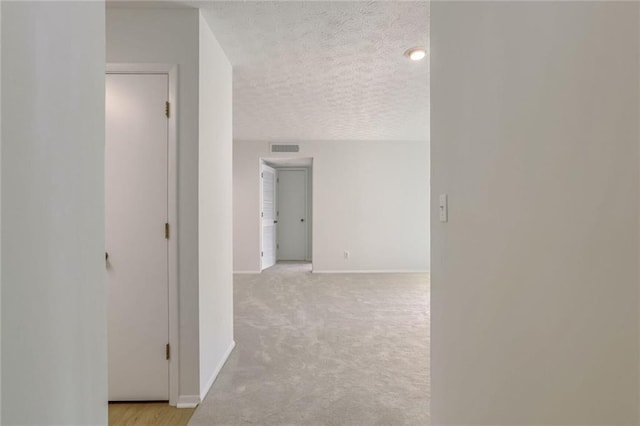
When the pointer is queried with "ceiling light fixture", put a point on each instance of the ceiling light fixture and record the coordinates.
(415, 53)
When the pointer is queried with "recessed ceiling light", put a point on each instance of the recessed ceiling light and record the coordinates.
(416, 53)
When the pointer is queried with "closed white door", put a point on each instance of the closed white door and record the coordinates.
(136, 244)
(292, 214)
(268, 213)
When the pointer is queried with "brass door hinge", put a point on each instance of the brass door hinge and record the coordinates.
(166, 231)
(168, 351)
(167, 109)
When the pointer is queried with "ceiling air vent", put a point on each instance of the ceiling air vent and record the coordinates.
(285, 148)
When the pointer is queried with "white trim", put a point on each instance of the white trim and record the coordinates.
(188, 401)
(306, 213)
(204, 391)
(260, 164)
(171, 70)
(312, 212)
(373, 271)
(139, 68)
(246, 272)
(174, 314)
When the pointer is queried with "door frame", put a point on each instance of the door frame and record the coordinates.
(307, 233)
(171, 70)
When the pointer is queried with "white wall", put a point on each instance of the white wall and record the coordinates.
(171, 36)
(369, 197)
(54, 367)
(0, 209)
(535, 277)
(215, 208)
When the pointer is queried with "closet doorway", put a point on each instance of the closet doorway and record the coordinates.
(286, 210)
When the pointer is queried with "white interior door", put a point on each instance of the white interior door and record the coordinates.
(136, 213)
(268, 213)
(292, 214)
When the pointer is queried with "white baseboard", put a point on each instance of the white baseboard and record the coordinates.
(246, 272)
(225, 357)
(373, 271)
(188, 401)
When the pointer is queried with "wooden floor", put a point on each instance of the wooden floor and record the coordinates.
(148, 414)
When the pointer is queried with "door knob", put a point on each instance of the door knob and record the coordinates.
(275, 221)
(301, 220)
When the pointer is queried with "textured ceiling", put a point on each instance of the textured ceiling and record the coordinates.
(325, 70)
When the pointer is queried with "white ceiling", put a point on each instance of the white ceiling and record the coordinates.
(325, 70)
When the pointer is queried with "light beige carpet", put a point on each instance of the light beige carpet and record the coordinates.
(325, 349)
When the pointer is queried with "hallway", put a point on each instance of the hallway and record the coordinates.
(325, 349)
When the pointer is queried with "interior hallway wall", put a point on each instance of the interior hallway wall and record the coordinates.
(171, 36)
(215, 207)
(54, 366)
(535, 276)
(369, 197)
(0, 209)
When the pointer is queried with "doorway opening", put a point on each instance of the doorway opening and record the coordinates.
(286, 211)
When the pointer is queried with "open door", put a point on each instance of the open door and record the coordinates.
(268, 215)
(292, 208)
